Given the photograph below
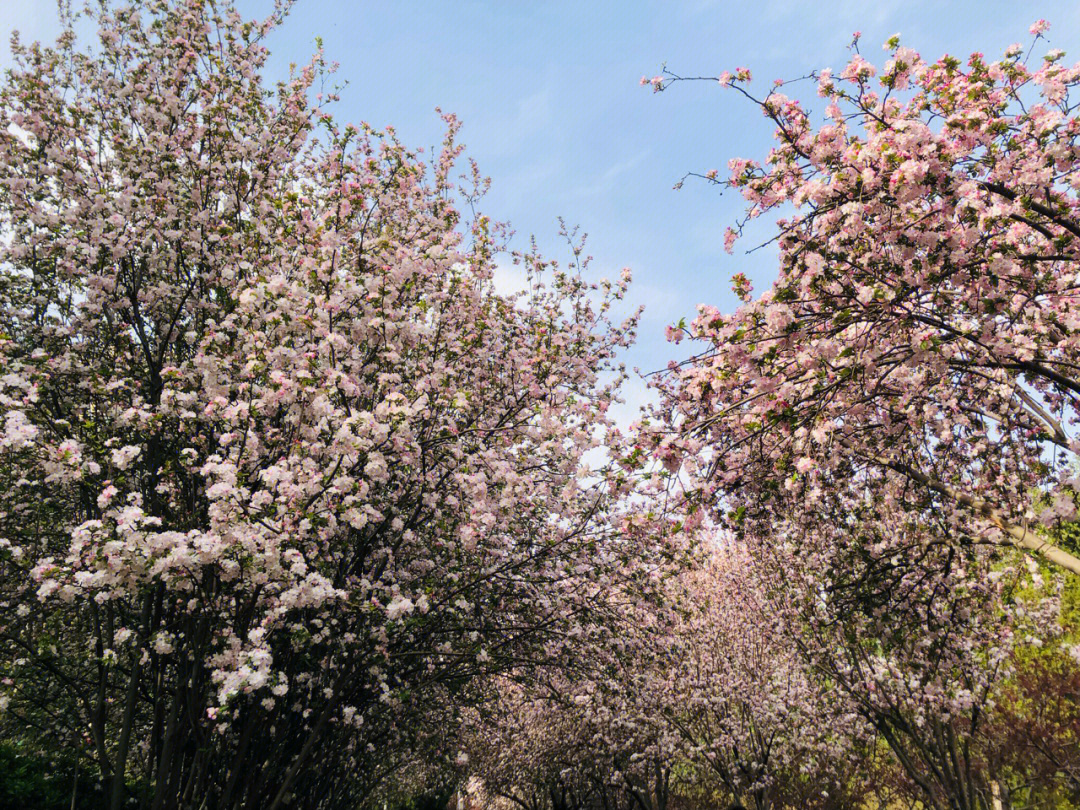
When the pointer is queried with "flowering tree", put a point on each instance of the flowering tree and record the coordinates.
(744, 703)
(925, 662)
(526, 746)
(572, 743)
(700, 694)
(588, 730)
(280, 470)
(921, 338)
(899, 408)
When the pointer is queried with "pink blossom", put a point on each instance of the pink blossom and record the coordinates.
(122, 457)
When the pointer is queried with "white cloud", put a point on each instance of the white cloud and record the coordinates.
(509, 278)
(606, 181)
(636, 395)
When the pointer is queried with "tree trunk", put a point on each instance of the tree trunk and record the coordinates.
(995, 795)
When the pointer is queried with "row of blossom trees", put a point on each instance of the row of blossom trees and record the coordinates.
(883, 446)
(743, 688)
(297, 511)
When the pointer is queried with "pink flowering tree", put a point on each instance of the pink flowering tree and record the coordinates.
(898, 411)
(699, 693)
(526, 744)
(923, 662)
(571, 741)
(586, 730)
(922, 336)
(280, 471)
(749, 712)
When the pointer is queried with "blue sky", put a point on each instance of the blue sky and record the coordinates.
(552, 111)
